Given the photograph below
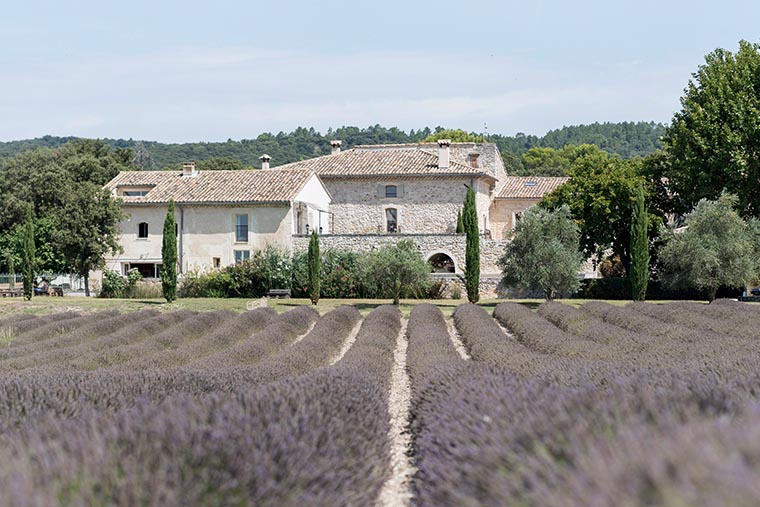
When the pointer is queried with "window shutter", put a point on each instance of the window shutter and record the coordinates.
(401, 191)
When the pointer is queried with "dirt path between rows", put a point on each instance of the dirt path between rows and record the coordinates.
(349, 342)
(397, 491)
(456, 339)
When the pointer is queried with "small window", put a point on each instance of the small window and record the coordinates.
(142, 230)
(391, 220)
(391, 191)
(135, 193)
(216, 262)
(242, 255)
(241, 228)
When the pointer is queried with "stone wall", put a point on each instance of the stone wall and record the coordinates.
(452, 245)
(424, 205)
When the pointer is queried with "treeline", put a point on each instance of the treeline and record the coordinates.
(627, 139)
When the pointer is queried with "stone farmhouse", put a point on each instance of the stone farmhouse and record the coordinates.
(360, 198)
(221, 215)
(384, 192)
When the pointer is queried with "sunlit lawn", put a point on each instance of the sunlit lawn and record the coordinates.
(42, 305)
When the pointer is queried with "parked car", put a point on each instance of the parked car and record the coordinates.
(755, 291)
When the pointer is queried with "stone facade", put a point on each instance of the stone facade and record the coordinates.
(503, 213)
(426, 205)
(453, 245)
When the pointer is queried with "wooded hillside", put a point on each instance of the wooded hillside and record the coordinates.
(627, 139)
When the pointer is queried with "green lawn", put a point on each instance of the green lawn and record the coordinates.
(42, 305)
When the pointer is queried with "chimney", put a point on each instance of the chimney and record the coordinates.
(335, 144)
(474, 160)
(188, 170)
(265, 161)
(443, 153)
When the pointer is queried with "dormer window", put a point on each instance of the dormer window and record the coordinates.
(391, 191)
(134, 191)
(142, 230)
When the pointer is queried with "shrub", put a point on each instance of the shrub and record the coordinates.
(341, 274)
(117, 286)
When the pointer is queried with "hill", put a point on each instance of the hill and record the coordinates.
(627, 139)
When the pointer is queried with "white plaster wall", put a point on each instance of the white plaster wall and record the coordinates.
(207, 232)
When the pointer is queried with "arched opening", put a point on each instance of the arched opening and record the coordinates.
(142, 230)
(441, 263)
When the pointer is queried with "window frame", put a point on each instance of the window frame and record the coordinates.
(395, 191)
(238, 228)
(140, 234)
(394, 212)
(244, 255)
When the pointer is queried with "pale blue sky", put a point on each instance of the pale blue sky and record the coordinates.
(208, 71)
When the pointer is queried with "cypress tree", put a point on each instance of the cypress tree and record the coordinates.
(169, 256)
(315, 268)
(29, 260)
(472, 252)
(639, 248)
(460, 225)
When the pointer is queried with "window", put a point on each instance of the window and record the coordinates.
(242, 255)
(142, 230)
(135, 193)
(391, 220)
(147, 269)
(391, 191)
(241, 228)
(216, 262)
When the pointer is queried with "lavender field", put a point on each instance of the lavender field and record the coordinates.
(642, 405)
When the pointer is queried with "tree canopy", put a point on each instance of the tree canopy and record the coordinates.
(455, 136)
(717, 248)
(74, 218)
(713, 142)
(627, 139)
(600, 196)
(543, 254)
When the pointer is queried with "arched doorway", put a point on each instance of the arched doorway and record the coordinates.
(441, 263)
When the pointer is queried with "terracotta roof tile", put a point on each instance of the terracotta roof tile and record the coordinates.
(403, 160)
(529, 187)
(212, 186)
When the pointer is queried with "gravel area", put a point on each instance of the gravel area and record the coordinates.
(397, 491)
(307, 332)
(456, 339)
(349, 342)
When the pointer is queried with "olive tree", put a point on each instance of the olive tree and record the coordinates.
(543, 253)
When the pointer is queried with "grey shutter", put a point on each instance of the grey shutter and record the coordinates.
(380, 191)
(400, 191)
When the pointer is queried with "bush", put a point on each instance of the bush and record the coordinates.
(341, 274)
(117, 286)
(267, 269)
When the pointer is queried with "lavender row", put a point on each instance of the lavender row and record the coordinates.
(315, 350)
(225, 330)
(314, 440)
(21, 329)
(280, 332)
(486, 437)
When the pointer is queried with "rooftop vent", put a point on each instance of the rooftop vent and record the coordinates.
(335, 145)
(265, 161)
(530, 183)
(188, 170)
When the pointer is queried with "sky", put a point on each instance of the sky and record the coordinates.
(193, 71)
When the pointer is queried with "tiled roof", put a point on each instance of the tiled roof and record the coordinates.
(396, 160)
(529, 187)
(241, 186)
